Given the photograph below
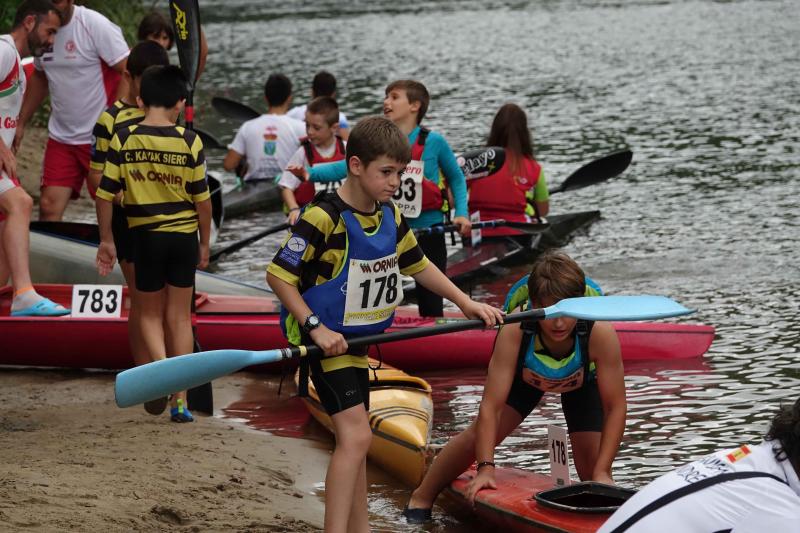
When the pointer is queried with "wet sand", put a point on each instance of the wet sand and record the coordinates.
(74, 461)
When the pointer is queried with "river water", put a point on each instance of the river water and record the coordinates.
(706, 96)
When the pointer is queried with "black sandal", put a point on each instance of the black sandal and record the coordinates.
(417, 516)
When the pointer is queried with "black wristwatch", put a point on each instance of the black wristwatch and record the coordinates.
(312, 322)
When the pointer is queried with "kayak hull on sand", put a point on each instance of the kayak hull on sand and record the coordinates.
(400, 416)
(512, 506)
(253, 323)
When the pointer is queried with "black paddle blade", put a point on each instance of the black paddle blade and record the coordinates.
(597, 171)
(482, 162)
(233, 109)
(185, 15)
(209, 141)
(201, 399)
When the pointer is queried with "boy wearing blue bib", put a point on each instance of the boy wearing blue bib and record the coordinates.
(338, 276)
(579, 360)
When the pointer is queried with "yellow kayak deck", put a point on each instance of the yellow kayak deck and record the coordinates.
(400, 415)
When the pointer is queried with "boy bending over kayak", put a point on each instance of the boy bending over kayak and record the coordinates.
(433, 170)
(338, 275)
(160, 169)
(581, 360)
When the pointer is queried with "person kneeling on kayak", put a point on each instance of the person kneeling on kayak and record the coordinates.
(580, 360)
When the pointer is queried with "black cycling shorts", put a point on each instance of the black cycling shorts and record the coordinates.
(123, 238)
(163, 258)
(340, 389)
(582, 407)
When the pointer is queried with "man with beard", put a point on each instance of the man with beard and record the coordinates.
(34, 30)
(73, 73)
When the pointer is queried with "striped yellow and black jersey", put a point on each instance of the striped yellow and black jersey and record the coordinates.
(120, 115)
(162, 173)
(322, 227)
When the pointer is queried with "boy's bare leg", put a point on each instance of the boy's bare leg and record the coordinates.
(457, 456)
(178, 327)
(151, 324)
(53, 202)
(5, 272)
(359, 511)
(353, 437)
(15, 238)
(134, 338)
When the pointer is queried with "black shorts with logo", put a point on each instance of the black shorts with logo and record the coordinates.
(123, 239)
(582, 407)
(340, 389)
(163, 258)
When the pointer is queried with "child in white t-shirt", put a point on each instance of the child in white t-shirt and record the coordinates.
(323, 145)
(269, 140)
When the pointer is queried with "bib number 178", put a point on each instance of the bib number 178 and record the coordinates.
(380, 284)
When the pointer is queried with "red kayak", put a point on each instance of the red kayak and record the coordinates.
(527, 502)
(252, 323)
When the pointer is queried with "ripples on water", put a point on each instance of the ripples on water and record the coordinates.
(704, 93)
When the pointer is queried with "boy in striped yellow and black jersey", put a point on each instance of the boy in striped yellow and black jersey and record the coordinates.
(121, 115)
(338, 276)
(160, 169)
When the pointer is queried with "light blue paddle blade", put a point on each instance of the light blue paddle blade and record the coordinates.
(160, 378)
(617, 308)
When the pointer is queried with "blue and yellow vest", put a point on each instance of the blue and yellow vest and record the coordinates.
(550, 374)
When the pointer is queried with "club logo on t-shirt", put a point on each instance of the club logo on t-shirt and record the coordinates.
(270, 140)
(69, 46)
(292, 253)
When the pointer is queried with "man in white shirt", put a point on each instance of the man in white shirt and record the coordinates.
(33, 30)
(745, 490)
(269, 140)
(323, 84)
(73, 73)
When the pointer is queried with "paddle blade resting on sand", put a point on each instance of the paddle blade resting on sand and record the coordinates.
(157, 379)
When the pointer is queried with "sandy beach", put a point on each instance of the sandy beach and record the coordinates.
(73, 461)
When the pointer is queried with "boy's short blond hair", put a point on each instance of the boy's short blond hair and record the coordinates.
(415, 92)
(555, 275)
(374, 137)
(325, 106)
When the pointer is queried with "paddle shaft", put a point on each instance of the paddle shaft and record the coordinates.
(249, 240)
(526, 227)
(150, 381)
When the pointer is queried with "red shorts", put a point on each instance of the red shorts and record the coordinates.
(6, 184)
(66, 165)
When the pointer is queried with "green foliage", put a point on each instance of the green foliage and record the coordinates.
(125, 13)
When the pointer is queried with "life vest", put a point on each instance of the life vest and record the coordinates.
(549, 374)
(503, 194)
(433, 193)
(306, 191)
(362, 295)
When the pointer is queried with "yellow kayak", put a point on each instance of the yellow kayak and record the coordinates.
(400, 415)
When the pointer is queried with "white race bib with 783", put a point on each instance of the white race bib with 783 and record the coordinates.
(409, 196)
(373, 290)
